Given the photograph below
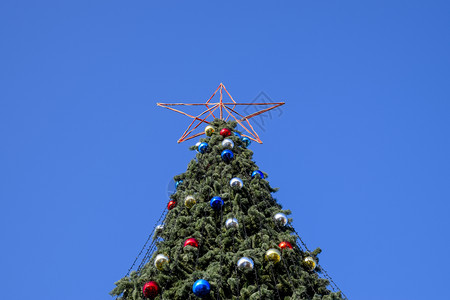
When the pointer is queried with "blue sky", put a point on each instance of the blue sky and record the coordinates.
(360, 152)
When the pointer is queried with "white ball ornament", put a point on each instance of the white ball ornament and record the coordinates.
(227, 143)
(245, 263)
(236, 182)
(160, 261)
(232, 223)
(281, 219)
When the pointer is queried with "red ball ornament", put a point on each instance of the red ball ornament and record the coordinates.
(225, 132)
(191, 242)
(150, 290)
(171, 204)
(284, 245)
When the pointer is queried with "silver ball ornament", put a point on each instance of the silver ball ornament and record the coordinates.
(231, 223)
(227, 143)
(159, 229)
(245, 263)
(236, 182)
(281, 219)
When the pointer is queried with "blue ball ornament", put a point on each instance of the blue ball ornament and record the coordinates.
(178, 183)
(201, 288)
(202, 147)
(246, 141)
(216, 203)
(257, 174)
(237, 134)
(227, 155)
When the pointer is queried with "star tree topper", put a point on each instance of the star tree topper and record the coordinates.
(229, 108)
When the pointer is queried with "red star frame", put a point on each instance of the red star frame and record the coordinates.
(228, 108)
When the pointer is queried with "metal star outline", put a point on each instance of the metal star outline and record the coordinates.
(228, 108)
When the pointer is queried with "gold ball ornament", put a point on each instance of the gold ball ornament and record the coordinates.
(189, 201)
(273, 255)
(209, 130)
(160, 261)
(310, 263)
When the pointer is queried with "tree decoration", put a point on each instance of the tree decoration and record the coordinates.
(203, 147)
(284, 245)
(150, 290)
(231, 223)
(160, 261)
(227, 155)
(237, 134)
(227, 143)
(236, 183)
(225, 132)
(246, 141)
(229, 108)
(258, 174)
(171, 205)
(191, 242)
(209, 130)
(273, 255)
(281, 219)
(216, 203)
(201, 288)
(178, 183)
(189, 201)
(310, 263)
(159, 229)
(245, 263)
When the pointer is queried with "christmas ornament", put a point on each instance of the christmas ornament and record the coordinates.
(227, 155)
(191, 242)
(246, 141)
(203, 147)
(225, 132)
(150, 289)
(273, 255)
(237, 134)
(281, 219)
(284, 245)
(310, 263)
(160, 261)
(178, 183)
(189, 201)
(257, 174)
(209, 130)
(201, 288)
(227, 143)
(231, 223)
(197, 144)
(229, 108)
(171, 204)
(236, 182)
(159, 229)
(216, 203)
(245, 263)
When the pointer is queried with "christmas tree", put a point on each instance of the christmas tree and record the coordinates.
(224, 236)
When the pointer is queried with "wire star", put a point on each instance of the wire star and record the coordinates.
(229, 108)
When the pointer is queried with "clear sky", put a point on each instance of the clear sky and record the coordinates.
(360, 152)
